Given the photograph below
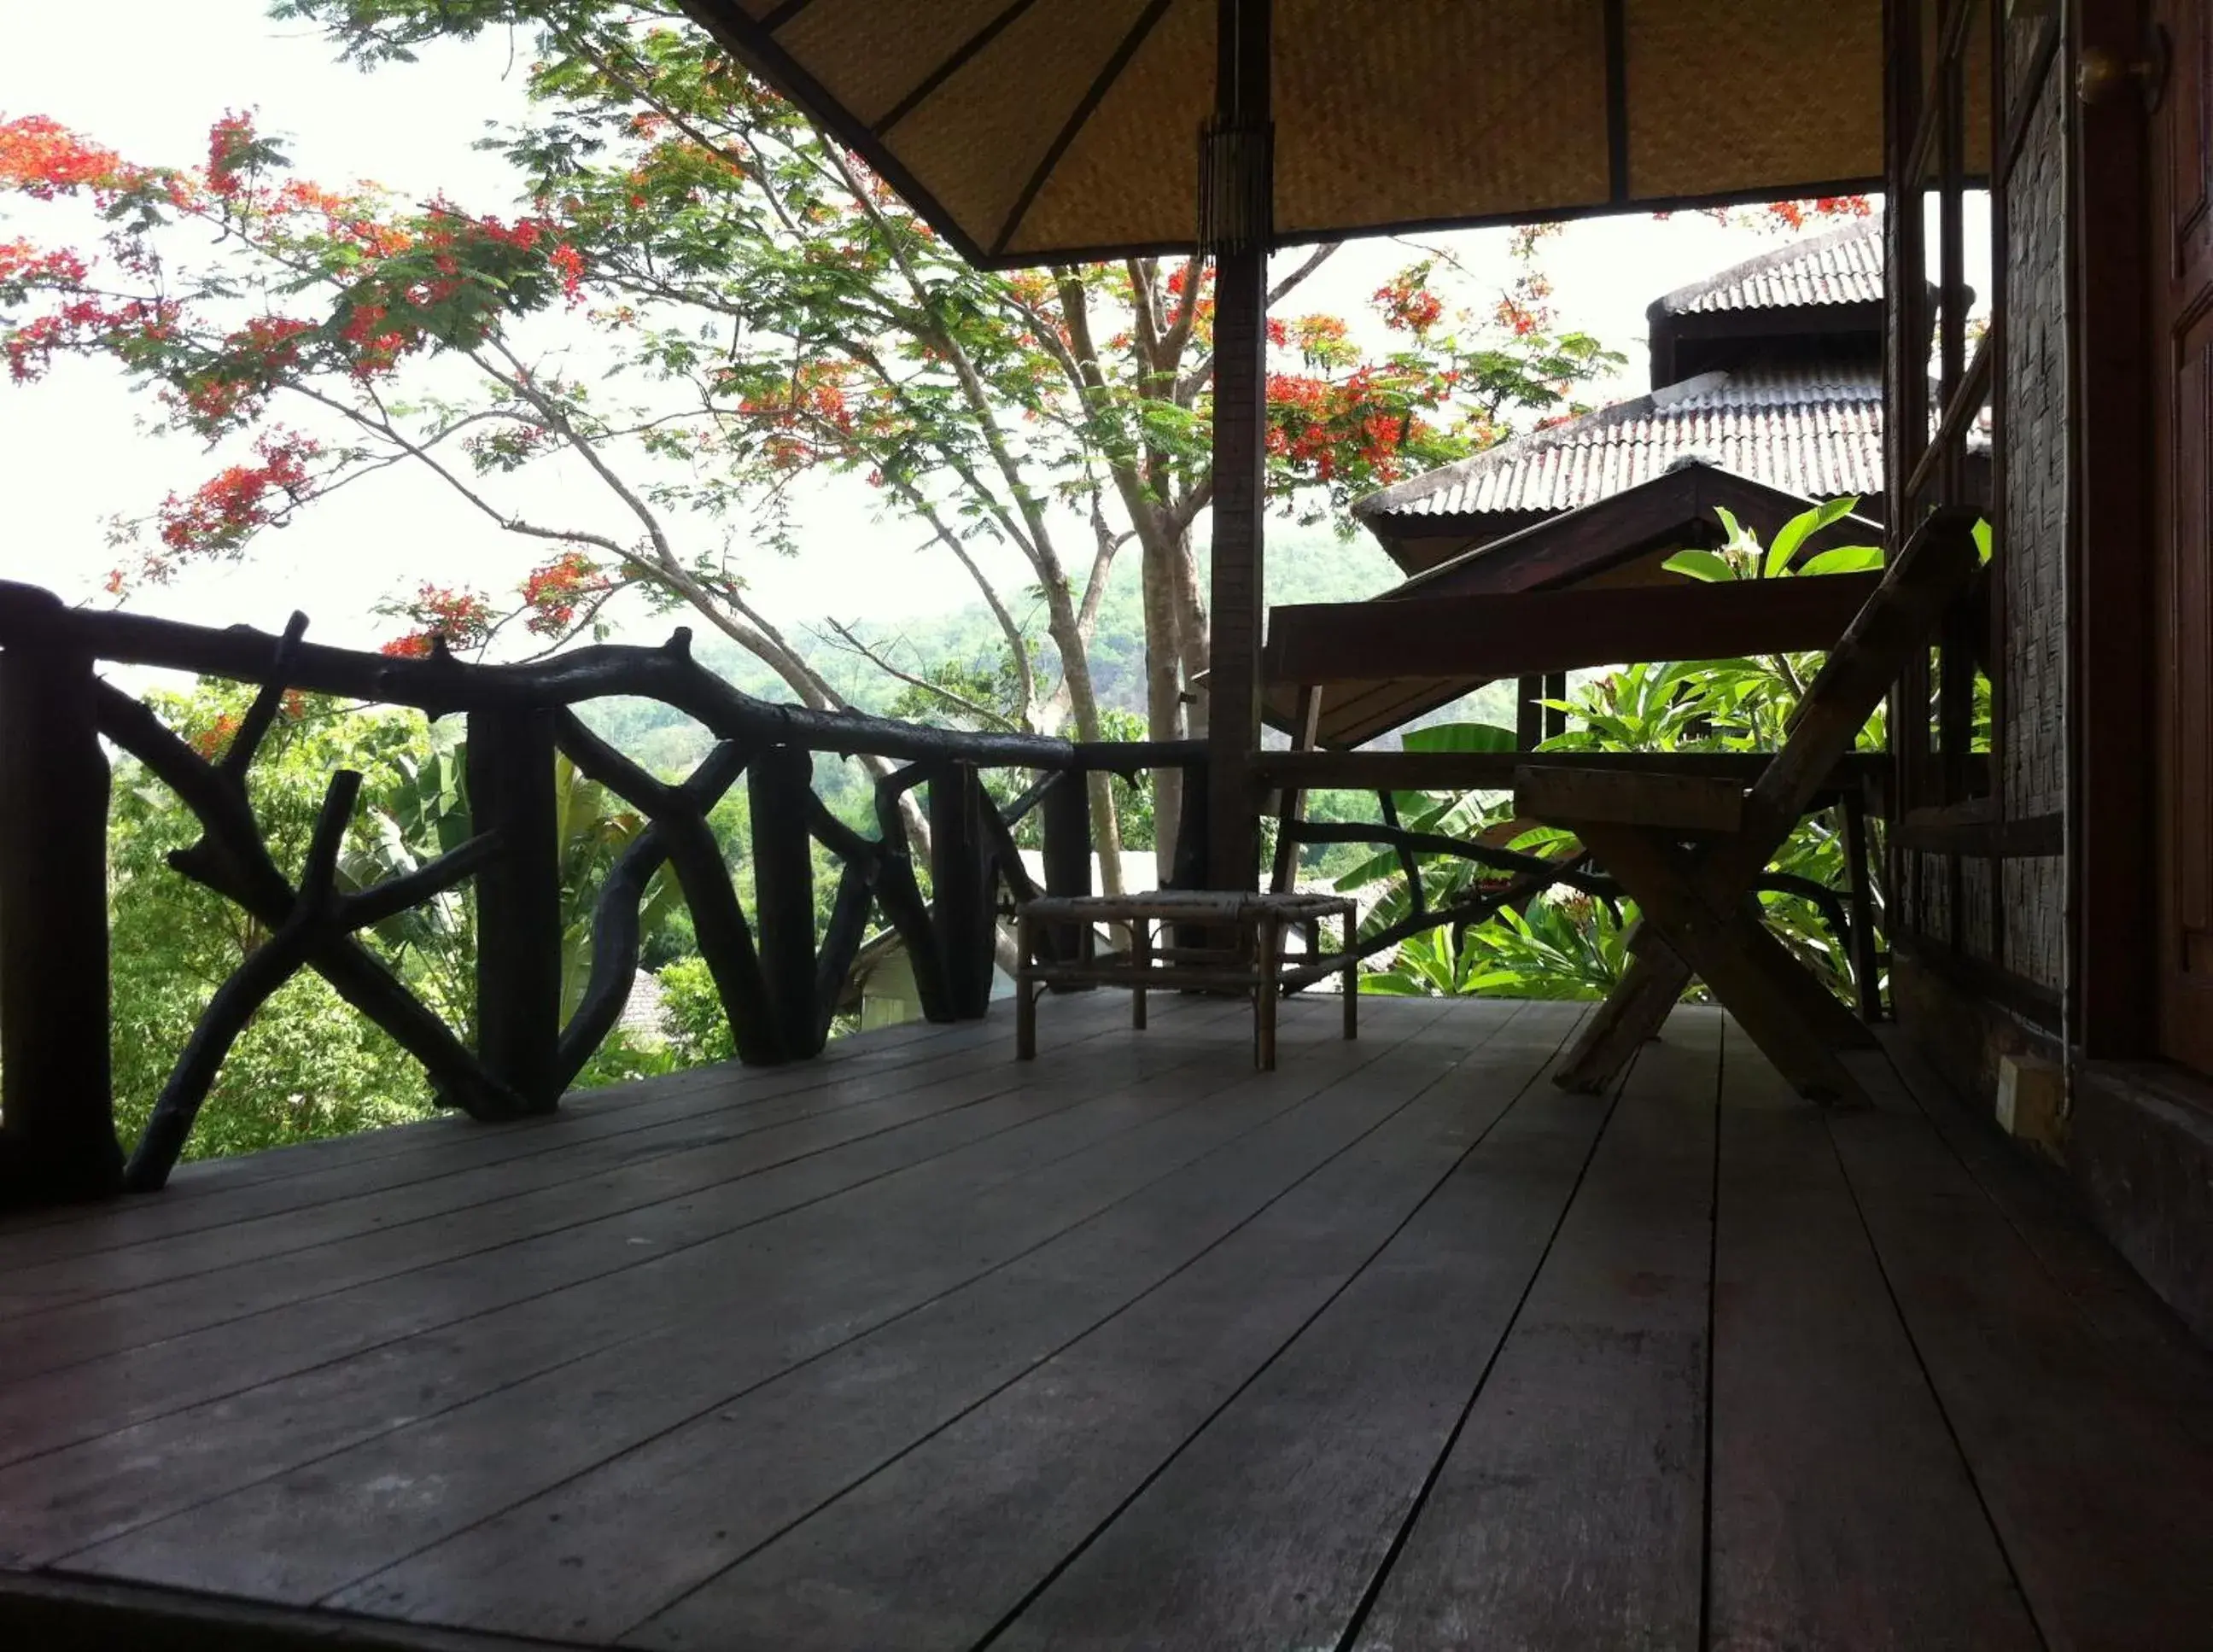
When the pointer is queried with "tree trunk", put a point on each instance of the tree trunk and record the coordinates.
(1191, 632)
(1083, 707)
(1164, 718)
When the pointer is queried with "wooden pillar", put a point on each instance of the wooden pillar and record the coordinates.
(1237, 190)
(960, 894)
(510, 775)
(779, 782)
(2113, 513)
(1066, 807)
(57, 1141)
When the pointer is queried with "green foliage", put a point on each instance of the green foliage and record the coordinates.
(698, 1031)
(308, 1064)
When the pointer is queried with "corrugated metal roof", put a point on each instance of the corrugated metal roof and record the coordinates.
(1815, 429)
(1842, 267)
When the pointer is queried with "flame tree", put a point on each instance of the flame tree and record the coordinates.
(703, 301)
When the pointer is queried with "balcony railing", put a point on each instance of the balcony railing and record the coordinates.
(777, 985)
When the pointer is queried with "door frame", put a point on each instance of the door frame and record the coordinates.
(2112, 524)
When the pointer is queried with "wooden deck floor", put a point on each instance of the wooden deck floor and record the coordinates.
(1397, 1347)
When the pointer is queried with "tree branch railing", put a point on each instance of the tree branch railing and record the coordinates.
(778, 985)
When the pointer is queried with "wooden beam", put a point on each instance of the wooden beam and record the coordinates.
(1513, 635)
(2113, 511)
(1680, 802)
(1243, 73)
(1494, 771)
(57, 1140)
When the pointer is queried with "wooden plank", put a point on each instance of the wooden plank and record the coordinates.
(811, 1433)
(1379, 1349)
(211, 1191)
(2095, 1472)
(1570, 1511)
(1974, 828)
(1494, 771)
(2110, 1296)
(1841, 1512)
(1683, 802)
(335, 1474)
(1513, 634)
(60, 1614)
(484, 1203)
(947, 1126)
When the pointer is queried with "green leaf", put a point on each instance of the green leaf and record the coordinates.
(1700, 564)
(1459, 737)
(1844, 559)
(1982, 531)
(1795, 531)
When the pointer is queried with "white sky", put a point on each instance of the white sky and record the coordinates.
(75, 448)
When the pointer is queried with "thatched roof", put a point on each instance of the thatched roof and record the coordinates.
(1028, 130)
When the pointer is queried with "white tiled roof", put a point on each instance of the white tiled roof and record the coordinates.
(1842, 267)
(1815, 429)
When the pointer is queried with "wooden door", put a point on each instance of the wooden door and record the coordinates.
(2182, 316)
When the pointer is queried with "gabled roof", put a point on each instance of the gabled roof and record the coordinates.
(1810, 429)
(1842, 267)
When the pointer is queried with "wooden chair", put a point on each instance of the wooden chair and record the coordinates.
(1688, 850)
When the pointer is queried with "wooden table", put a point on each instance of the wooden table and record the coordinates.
(1252, 962)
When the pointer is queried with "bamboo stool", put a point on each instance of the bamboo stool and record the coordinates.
(1067, 926)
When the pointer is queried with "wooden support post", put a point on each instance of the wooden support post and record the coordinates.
(1237, 168)
(1351, 985)
(1066, 807)
(510, 778)
(779, 786)
(1026, 950)
(1866, 973)
(1268, 951)
(960, 893)
(1141, 960)
(57, 1141)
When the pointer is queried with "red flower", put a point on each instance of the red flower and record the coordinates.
(554, 590)
(230, 146)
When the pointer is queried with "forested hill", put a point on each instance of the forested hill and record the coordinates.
(1305, 564)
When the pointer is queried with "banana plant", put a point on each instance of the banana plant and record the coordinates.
(425, 812)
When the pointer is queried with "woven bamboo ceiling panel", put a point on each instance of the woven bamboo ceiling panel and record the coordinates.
(1029, 130)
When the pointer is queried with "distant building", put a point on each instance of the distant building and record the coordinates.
(1770, 371)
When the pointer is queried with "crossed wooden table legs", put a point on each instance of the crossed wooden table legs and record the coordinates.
(1696, 924)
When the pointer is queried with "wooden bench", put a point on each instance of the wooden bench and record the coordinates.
(1253, 963)
(1688, 850)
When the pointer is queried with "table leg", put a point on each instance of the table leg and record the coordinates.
(1025, 989)
(1264, 995)
(1141, 960)
(1351, 985)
